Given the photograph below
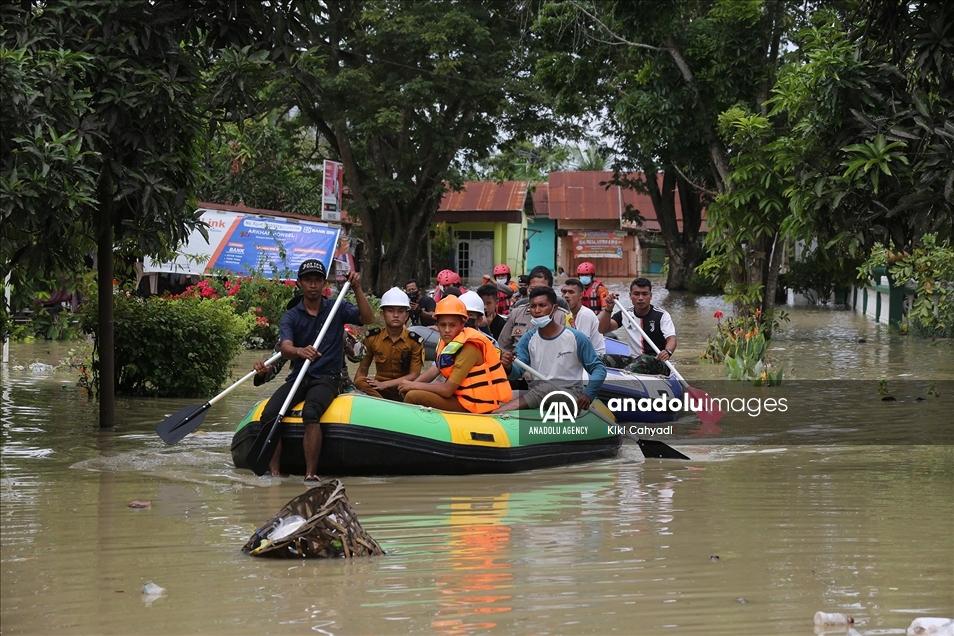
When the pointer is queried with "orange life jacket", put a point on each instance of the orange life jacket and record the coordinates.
(486, 386)
(591, 296)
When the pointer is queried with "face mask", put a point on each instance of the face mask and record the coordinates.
(586, 280)
(541, 322)
(502, 280)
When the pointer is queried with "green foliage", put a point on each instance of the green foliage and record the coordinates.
(260, 301)
(868, 151)
(61, 325)
(931, 266)
(817, 276)
(741, 343)
(273, 163)
(703, 284)
(520, 161)
(171, 347)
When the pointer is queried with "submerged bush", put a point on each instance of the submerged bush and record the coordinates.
(171, 347)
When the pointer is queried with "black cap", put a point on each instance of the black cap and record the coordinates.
(312, 266)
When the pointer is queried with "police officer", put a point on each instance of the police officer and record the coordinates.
(398, 354)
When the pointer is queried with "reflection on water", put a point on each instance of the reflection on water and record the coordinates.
(852, 524)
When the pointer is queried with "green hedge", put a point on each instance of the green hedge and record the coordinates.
(172, 347)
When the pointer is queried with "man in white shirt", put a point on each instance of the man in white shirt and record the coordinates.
(583, 317)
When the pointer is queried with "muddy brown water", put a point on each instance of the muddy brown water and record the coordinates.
(862, 524)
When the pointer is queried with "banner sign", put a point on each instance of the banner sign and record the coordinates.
(598, 244)
(331, 191)
(239, 243)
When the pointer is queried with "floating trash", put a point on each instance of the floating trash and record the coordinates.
(833, 618)
(931, 627)
(317, 524)
(151, 589)
(137, 504)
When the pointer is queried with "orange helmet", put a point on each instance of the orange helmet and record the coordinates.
(586, 268)
(451, 306)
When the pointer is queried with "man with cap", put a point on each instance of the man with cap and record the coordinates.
(297, 333)
(398, 354)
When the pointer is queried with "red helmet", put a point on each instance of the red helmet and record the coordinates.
(586, 268)
(501, 269)
(447, 277)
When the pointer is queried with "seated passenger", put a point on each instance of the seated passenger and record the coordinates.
(560, 353)
(397, 353)
(474, 380)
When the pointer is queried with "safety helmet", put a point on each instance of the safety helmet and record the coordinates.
(447, 277)
(394, 297)
(586, 268)
(501, 269)
(452, 306)
(473, 302)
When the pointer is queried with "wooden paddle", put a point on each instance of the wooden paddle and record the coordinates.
(651, 449)
(709, 411)
(262, 449)
(184, 421)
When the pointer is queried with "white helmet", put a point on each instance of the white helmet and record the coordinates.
(473, 302)
(394, 297)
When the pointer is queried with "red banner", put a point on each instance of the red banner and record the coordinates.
(598, 244)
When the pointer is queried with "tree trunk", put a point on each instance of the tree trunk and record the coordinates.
(682, 246)
(771, 284)
(106, 344)
(406, 250)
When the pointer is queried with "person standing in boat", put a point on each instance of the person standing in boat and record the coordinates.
(398, 353)
(299, 329)
(474, 380)
(657, 323)
(560, 352)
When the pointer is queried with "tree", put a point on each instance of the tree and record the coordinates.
(662, 72)
(272, 163)
(400, 90)
(520, 160)
(870, 145)
(100, 150)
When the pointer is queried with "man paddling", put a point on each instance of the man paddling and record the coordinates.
(298, 330)
(657, 323)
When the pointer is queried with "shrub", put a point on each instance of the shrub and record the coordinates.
(260, 300)
(931, 267)
(170, 347)
(742, 345)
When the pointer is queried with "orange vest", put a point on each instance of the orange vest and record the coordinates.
(486, 386)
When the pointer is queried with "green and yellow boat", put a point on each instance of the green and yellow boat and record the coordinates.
(364, 435)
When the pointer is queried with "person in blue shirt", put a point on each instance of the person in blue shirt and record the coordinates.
(560, 353)
(298, 331)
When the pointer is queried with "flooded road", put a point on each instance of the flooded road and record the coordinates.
(826, 507)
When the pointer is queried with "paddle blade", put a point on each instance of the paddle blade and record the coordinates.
(710, 413)
(653, 449)
(260, 454)
(181, 423)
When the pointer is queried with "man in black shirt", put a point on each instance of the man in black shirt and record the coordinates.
(422, 305)
(494, 322)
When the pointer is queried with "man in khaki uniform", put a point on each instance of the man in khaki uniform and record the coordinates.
(518, 322)
(398, 354)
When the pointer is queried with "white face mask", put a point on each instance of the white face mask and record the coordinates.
(502, 279)
(541, 322)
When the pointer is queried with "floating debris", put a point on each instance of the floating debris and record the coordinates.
(931, 627)
(833, 618)
(136, 504)
(151, 589)
(715, 558)
(317, 524)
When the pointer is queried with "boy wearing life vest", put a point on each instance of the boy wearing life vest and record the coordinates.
(474, 379)
(594, 291)
(397, 353)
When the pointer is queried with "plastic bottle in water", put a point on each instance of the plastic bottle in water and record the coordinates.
(833, 618)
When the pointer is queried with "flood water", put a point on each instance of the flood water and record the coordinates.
(753, 535)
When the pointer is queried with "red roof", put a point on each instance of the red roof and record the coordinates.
(579, 195)
(541, 200)
(484, 201)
